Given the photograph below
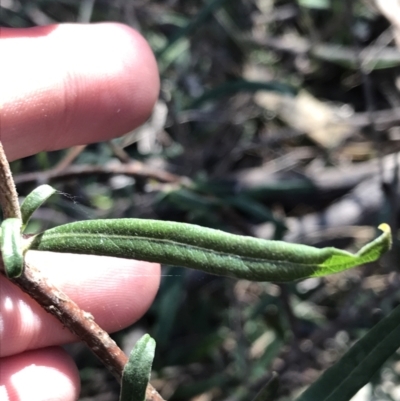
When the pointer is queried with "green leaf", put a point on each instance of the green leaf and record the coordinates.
(169, 299)
(187, 199)
(254, 209)
(33, 201)
(11, 247)
(269, 390)
(315, 4)
(199, 19)
(386, 57)
(229, 88)
(136, 374)
(212, 251)
(355, 369)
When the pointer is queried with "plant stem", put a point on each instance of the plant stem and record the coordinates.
(79, 322)
(134, 169)
(8, 193)
(54, 301)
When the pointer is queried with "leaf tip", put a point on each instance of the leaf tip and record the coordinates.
(387, 232)
(385, 228)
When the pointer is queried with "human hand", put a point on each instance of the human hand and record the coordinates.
(61, 86)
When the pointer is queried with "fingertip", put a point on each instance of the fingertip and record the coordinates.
(117, 292)
(77, 84)
(129, 62)
(143, 67)
(48, 374)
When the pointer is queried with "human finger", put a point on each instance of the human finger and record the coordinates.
(117, 292)
(64, 85)
(42, 375)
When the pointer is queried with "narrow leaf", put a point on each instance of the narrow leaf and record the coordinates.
(136, 374)
(11, 247)
(33, 201)
(355, 369)
(269, 390)
(242, 85)
(212, 251)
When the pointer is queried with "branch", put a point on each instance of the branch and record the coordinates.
(135, 169)
(79, 322)
(8, 194)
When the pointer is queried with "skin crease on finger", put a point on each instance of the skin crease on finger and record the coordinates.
(74, 84)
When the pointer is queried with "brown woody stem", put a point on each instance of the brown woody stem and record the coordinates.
(8, 194)
(54, 301)
(79, 322)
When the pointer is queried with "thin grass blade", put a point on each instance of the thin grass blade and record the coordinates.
(355, 369)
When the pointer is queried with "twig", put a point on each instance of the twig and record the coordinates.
(8, 194)
(383, 119)
(79, 322)
(391, 10)
(132, 169)
(71, 155)
(366, 86)
(287, 307)
(123, 156)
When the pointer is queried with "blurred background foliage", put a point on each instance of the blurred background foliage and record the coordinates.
(277, 119)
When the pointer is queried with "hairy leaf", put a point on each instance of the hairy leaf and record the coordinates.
(33, 201)
(11, 248)
(212, 251)
(136, 374)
